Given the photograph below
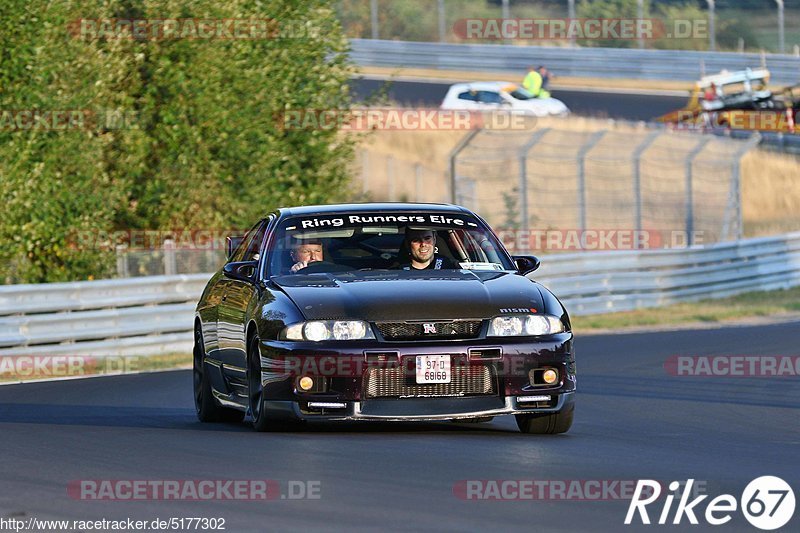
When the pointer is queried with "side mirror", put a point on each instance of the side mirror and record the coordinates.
(526, 263)
(231, 243)
(241, 270)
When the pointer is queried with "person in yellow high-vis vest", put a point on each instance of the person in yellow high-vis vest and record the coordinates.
(533, 83)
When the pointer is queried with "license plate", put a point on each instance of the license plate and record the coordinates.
(433, 368)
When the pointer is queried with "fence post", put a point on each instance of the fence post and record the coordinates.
(734, 206)
(453, 155)
(689, 189)
(122, 261)
(364, 171)
(594, 138)
(637, 177)
(390, 176)
(712, 32)
(523, 175)
(417, 181)
(781, 28)
(442, 22)
(571, 15)
(373, 17)
(170, 262)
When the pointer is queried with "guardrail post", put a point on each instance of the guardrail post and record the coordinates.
(594, 138)
(170, 263)
(523, 175)
(453, 155)
(637, 176)
(689, 190)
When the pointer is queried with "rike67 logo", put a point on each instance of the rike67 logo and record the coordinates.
(767, 503)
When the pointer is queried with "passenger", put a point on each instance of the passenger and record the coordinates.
(546, 75)
(421, 246)
(533, 83)
(308, 251)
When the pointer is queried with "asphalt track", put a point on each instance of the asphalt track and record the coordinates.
(633, 421)
(581, 102)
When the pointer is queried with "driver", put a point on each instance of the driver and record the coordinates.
(306, 252)
(421, 245)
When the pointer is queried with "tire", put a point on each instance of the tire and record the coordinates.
(550, 424)
(207, 409)
(261, 419)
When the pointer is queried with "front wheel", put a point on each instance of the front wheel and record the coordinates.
(262, 421)
(549, 424)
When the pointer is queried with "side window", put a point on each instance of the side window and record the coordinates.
(245, 248)
(468, 95)
(253, 248)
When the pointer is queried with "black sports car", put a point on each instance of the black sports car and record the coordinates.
(380, 312)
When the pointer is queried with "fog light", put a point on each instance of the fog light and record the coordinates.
(306, 383)
(550, 376)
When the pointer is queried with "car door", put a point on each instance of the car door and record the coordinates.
(233, 309)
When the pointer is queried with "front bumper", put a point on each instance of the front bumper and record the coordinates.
(347, 393)
(419, 409)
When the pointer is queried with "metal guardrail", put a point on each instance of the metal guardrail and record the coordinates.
(680, 65)
(142, 316)
(604, 282)
(136, 316)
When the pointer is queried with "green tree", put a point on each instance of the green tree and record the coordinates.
(207, 148)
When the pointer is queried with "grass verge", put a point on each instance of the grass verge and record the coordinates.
(780, 303)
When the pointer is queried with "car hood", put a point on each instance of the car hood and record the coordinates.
(406, 295)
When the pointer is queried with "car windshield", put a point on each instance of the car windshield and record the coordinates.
(356, 241)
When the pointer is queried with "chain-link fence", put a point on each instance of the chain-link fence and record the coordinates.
(541, 182)
(725, 25)
(385, 177)
(168, 260)
(655, 181)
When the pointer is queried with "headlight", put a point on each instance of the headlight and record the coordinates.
(322, 330)
(522, 325)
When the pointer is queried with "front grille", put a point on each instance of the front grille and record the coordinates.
(464, 381)
(442, 329)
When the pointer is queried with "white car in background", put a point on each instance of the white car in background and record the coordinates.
(500, 95)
